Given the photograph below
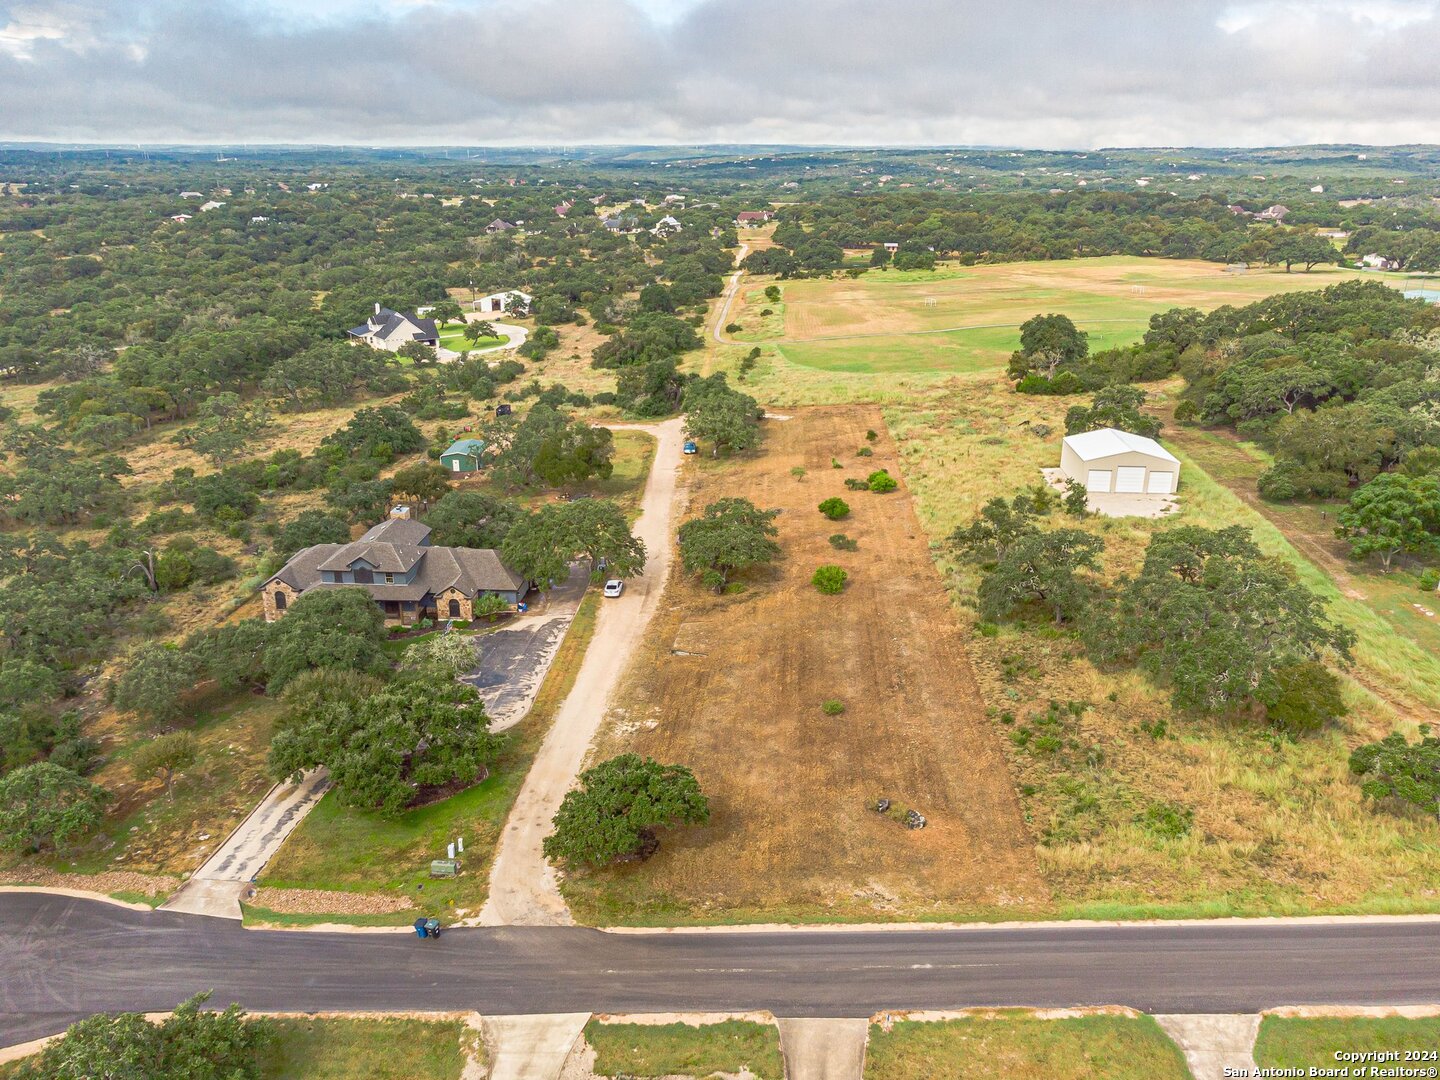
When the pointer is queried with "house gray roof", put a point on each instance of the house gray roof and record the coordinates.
(385, 322)
(470, 570)
(388, 558)
(397, 531)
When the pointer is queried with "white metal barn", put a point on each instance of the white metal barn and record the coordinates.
(1109, 460)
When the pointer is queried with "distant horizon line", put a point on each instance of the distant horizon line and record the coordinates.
(554, 145)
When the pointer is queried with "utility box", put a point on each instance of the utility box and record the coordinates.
(444, 867)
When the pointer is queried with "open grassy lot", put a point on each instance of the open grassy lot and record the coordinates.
(732, 686)
(1286, 1042)
(389, 1049)
(1018, 1046)
(676, 1050)
(342, 850)
(959, 319)
(1276, 826)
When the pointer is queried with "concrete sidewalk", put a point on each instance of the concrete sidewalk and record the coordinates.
(532, 1047)
(1214, 1042)
(218, 886)
(817, 1049)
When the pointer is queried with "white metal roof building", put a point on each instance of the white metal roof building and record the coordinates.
(1109, 460)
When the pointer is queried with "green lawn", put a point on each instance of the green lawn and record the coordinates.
(959, 319)
(333, 1049)
(453, 337)
(1304, 1044)
(681, 1050)
(1021, 1047)
(316, 1048)
(950, 351)
(347, 850)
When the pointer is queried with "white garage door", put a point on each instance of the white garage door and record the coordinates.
(1130, 478)
(1097, 480)
(1160, 483)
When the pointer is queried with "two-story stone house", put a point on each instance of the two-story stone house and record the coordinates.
(410, 578)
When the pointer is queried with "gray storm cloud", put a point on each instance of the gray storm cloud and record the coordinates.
(1033, 72)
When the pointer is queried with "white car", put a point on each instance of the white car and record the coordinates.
(614, 587)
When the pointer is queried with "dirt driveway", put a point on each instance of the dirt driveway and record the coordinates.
(523, 888)
(734, 686)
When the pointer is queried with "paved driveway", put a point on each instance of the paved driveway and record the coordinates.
(512, 662)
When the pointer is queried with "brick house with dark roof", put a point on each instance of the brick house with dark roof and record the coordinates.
(389, 330)
(409, 578)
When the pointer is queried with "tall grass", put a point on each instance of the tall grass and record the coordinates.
(1278, 826)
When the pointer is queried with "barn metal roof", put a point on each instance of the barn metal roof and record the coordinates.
(1107, 442)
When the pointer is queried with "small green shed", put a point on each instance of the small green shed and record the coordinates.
(463, 456)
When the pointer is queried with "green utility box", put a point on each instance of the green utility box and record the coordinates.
(444, 867)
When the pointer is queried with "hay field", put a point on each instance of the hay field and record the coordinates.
(959, 319)
(733, 686)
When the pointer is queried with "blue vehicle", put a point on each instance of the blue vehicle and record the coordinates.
(690, 447)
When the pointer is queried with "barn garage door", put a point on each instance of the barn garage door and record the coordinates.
(1130, 478)
(1160, 483)
(1097, 480)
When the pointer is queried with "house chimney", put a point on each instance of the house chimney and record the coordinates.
(377, 309)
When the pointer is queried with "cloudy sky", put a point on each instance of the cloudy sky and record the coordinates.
(1044, 73)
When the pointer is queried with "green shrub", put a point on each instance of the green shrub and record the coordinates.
(1429, 580)
(832, 707)
(841, 542)
(1165, 820)
(798, 472)
(835, 508)
(881, 482)
(829, 579)
(864, 451)
(870, 435)
(854, 483)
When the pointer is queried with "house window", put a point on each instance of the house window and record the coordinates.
(392, 608)
(454, 609)
(364, 577)
(280, 601)
(389, 579)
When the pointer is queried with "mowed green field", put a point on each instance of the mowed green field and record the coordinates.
(453, 337)
(961, 319)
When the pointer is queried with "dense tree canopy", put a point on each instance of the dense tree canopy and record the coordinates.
(619, 804)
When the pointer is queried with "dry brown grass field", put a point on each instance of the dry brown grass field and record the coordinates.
(733, 687)
(1278, 826)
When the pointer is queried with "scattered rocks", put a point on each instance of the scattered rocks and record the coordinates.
(110, 881)
(329, 902)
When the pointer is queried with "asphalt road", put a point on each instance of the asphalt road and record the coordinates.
(62, 958)
(511, 662)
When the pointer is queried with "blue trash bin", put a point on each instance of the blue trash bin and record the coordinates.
(420, 928)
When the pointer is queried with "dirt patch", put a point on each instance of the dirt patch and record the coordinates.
(733, 687)
(328, 902)
(111, 881)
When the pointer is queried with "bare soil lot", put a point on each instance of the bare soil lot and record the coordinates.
(733, 686)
